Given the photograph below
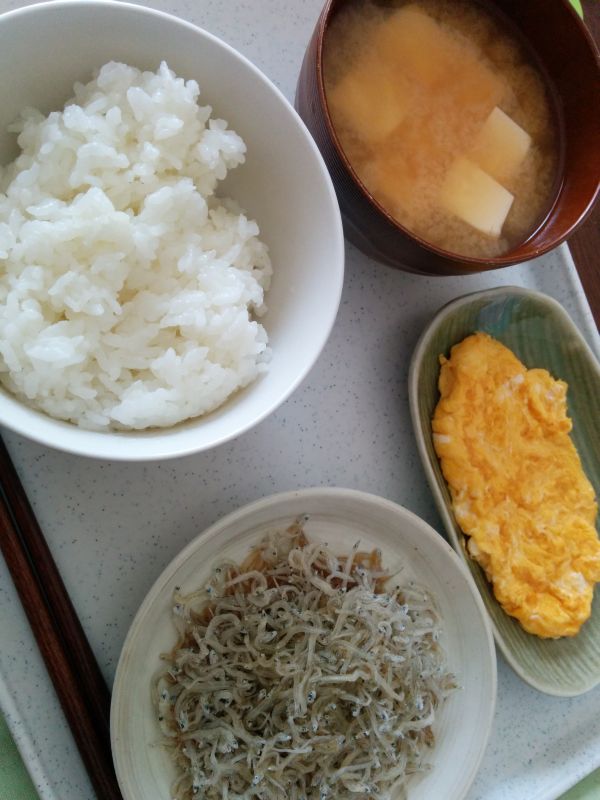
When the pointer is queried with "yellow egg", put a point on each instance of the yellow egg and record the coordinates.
(518, 489)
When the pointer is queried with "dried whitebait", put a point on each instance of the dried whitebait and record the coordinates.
(303, 675)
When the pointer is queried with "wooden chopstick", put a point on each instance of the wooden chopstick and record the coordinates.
(69, 659)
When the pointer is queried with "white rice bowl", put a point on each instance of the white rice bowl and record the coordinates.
(283, 184)
(129, 293)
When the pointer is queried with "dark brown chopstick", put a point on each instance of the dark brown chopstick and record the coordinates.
(69, 659)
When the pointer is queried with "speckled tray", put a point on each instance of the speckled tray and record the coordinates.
(113, 527)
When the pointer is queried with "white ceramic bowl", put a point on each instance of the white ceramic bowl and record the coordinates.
(284, 185)
(340, 517)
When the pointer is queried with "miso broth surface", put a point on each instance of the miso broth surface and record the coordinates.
(427, 103)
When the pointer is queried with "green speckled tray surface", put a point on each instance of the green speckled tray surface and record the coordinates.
(538, 330)
(15, 783)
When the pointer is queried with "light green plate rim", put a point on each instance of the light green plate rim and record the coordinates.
(538, 330)
(577, 6)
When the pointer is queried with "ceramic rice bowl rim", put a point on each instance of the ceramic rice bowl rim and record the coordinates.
(186, 437)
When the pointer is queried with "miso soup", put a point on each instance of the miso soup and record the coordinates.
(446, 120)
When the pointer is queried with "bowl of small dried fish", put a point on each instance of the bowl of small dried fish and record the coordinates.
(317, 644)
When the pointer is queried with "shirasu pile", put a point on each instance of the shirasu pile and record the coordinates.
(300, 674)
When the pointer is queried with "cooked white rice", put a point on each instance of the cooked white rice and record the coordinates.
(128, 291)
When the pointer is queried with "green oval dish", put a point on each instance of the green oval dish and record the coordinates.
(541, 334)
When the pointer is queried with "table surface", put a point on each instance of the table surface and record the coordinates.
(585, 243)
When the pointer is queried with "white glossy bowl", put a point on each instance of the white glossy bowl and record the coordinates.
(284, 185)
(341, 517)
